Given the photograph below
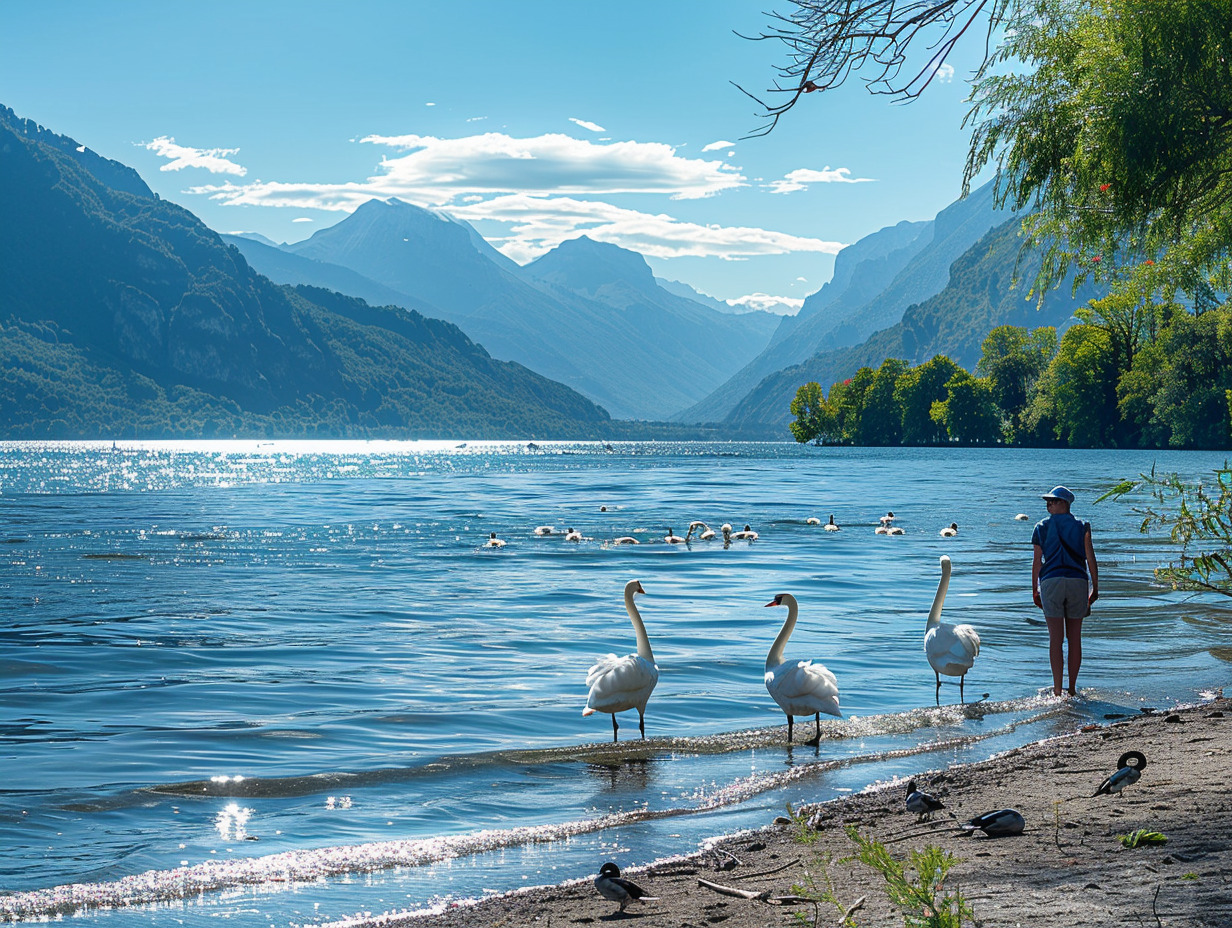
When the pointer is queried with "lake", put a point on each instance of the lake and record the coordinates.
(285, 683)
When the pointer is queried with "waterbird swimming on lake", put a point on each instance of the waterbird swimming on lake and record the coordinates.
(673, 539)
(812, 520)
(494, 542)
(573, 535)
(950, 531)
(621, 683)
(612, 885)
(999, 824)
(950, 649)
(831, 526)
(799, 687)
(1022, 517)
(705, 534)
(895, 530)
(545, 530)
(625, 540)
(1129, 771)
(887, 518)
(747, 534)
(881, 530)
(922, 804)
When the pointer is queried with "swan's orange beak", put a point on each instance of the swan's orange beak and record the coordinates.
(773, 602)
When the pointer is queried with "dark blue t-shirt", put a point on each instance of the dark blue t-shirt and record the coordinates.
(1063, 540)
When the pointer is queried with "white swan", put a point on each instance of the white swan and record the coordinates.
(799, 687)
(887, 518)
(573, 535)
(831, 526)
(949, 531)
(1022, 517)
(895, 530)
(747, 534)
(881, 530)
(951, 649)
(545, 530)
(812, 520)
(620, 683)
(626, 540)
(673, 539)
(494, 542)
(705, 534)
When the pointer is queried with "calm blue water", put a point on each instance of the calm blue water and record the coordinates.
(285, 683)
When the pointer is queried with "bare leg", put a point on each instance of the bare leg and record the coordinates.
(961, 681)
(614, 728)
(938, 676)
(788, 728)
(1056, 654)
(817, 721)
(641, 723)
(1073, 635)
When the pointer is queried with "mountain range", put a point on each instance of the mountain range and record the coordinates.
(588, 314)
(123, 315)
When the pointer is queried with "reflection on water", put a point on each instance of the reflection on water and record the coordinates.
(237, 665)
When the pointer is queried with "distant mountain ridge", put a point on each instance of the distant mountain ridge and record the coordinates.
(875, 280)
(978, 297)
(587, 314)
(124, 315)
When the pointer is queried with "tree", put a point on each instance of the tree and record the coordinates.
(814, 419)
(829, 40)
(969, 414)
(882, 420)
(1197, 515)
(1076, 397)
(915, 392)
(847, 400)
(1013, 359)
(1112, 120)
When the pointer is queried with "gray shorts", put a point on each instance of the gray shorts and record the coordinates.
(1065, 598)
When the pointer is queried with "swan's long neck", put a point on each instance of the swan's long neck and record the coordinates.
(775, 657)
(643, 643)
(934, 614)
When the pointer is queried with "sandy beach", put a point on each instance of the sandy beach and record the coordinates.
(1068, 867)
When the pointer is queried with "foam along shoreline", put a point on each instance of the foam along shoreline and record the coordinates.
(1068, 868)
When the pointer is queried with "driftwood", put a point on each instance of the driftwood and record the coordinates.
(770, 899)
(751, 876)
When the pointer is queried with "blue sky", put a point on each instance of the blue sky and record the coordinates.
(535, 121)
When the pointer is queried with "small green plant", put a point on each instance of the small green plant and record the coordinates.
(1142, 836)
(924, 900)
(814, 891)
(805, 833)
(1189, 876)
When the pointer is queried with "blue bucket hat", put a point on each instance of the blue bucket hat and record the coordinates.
(1060, 493)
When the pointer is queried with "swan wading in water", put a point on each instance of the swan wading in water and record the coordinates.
(831, 526)
(950, 531)
(621, 683)
(673, 539)
(951, 649)
(799, 687)
(493, 542)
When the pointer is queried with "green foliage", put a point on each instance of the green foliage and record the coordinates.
(1013, 359)
(1110, 119)
(916, 391)
(922, 897)
(882, 420)
(969, 413)
(1142, 837)
(815, 420)
(1198, 517)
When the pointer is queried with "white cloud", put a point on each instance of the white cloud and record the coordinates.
(802, 280)
(476, 118)
(213, 160)
(437, 171)
(587, 125)
(717, 146)
(945, 72)
(783, 305)
(539, 224)
(302, 219)
(800, 179)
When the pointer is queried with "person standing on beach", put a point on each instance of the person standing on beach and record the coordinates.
(1063, 566)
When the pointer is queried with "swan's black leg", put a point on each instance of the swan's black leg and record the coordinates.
(961, 681)
(938, 676)
(614, 726)
(817, 721)
(641, 723)
(788, 728)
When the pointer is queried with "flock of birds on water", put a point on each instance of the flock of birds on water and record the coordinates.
(800, 687)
